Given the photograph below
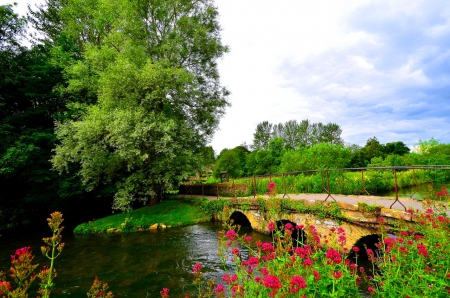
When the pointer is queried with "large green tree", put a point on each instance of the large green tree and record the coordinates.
(151, 65)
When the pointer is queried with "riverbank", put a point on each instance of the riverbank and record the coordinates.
(167, 214)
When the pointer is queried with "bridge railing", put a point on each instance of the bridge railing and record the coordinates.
(348, 181)
(379, 175)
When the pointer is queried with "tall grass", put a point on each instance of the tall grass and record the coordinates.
(343, 182)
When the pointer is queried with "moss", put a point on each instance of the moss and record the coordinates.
(170, 212)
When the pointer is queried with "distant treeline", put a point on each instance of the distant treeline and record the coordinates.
(303, 146)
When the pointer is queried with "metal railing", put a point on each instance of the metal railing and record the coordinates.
(325, 179)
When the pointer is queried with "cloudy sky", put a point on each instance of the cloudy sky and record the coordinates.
(376, 68)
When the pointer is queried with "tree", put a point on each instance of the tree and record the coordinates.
(262, 136)
(398, 148)
(152, 66)
(12, 28)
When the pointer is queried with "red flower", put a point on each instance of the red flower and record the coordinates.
(5, 286)
(164, 293)
(297, 283)
(337, 275)
(220, 290)
(231, 234)
(271, 226)
(197, 268)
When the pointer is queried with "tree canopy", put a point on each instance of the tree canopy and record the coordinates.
(152, 68)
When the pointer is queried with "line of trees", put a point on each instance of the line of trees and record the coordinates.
(282, 154)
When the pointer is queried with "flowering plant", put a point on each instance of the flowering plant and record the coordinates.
(272, 189)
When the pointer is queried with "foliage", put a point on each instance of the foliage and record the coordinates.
(12, 27)
(182, 212)
(99, 289)
(54, 243)
(283, 269)
(28, 107)
(320, 156)
(152, 67)
(415, 258)
(212, 207)
(262, 136)
(296, 135)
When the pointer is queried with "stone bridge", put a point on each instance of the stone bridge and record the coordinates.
(362, 227)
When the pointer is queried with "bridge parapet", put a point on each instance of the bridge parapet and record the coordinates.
(356, 220)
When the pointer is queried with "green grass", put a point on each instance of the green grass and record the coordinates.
(169, 212)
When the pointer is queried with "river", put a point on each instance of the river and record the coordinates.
(134, 264)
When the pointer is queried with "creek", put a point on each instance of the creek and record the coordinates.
(133, 265)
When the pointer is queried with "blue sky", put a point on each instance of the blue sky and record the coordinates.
(376, 68)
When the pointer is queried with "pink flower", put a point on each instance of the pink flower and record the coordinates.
(248, 239)
(334, 255)
(271, 226)
(337, 275)
(197, 268)
(273, 283)
(264, 271)
(297, 283)
(220, 290)
(252, 262)
(231, 234)
(307, 263)
(235, 251)
(289, 227)
(164, 293)
(316, 275)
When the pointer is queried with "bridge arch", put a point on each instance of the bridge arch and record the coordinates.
(368, 241)
(298, 235)
(240, 218)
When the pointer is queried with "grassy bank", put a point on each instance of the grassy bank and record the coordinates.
(169, 213)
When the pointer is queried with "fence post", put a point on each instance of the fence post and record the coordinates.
(284, 186)
(328, 185)
(396, 190)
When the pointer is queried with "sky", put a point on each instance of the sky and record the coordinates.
(376, 68)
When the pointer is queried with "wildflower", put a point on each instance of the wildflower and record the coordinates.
(220, 290)
(252, 262)
(355, 249)
(267, 247)
(334, 255)
(197, 268)
(231, 234)
(422, 250)
(271, 226)
(164, 293)
(264, 271)
(307, 263)
(337, 275)
(299, 227)
(317, 275)
(248, 239)
(371, 290)
(273, 283)
(235, 251)
(289, 227)
(297, 283)
(5, 286)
